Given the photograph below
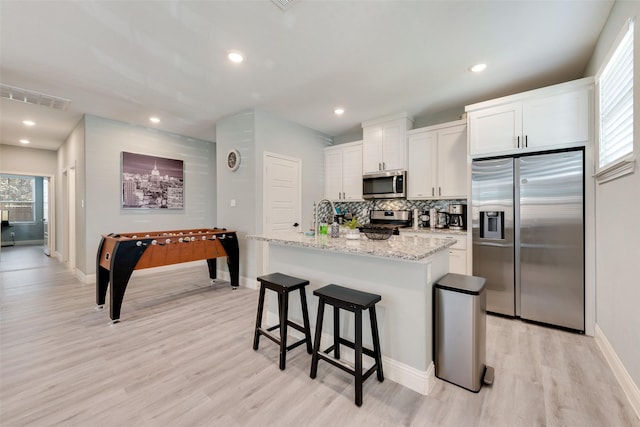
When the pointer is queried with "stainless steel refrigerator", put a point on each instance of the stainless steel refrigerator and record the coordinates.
(528, 236)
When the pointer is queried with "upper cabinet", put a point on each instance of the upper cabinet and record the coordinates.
(384, 143)
(438, 162)
(343, 172)
(548, 118)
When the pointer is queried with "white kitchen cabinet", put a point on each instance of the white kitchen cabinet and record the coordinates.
(384, 143)
(457, 252)
(438, 162)
(457, 261)
(421, 176)
(343, 172)
(548, 118)
(494, 130)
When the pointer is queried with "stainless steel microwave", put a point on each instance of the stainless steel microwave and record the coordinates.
(384, 185)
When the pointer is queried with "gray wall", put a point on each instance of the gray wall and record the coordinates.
(104, 141)
(71, 157)
(27, 161)
(617, 229)
(253, 133)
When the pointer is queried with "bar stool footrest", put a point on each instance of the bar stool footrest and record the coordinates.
(338, 363)
(265, 333)
(352, 346)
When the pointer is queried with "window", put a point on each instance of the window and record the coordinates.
(615, 108)
(18, 196)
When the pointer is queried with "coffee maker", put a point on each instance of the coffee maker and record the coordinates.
(458, 217)
(442, 219)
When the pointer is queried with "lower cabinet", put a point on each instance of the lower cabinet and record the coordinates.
(457, 252)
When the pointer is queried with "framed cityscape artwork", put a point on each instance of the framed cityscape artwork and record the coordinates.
(150, 182)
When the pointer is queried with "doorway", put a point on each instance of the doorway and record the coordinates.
(28, 208)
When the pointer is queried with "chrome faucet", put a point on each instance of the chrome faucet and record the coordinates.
(315, 212)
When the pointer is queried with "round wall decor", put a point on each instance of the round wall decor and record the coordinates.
(233, 160)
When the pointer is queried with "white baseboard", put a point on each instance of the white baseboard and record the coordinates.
(418, 381)
(630, 388)
(83, 277)
(245, 282)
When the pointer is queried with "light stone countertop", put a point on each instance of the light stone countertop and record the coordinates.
(428, 230)
(408, 248)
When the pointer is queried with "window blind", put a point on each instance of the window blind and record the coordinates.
(615, 84)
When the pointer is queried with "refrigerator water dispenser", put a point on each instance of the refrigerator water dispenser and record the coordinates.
(492, 225)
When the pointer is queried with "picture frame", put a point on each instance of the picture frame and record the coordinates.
(151, 182)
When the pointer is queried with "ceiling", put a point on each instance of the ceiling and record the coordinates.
(129, 60)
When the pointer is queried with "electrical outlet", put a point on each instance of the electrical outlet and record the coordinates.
(13, 234)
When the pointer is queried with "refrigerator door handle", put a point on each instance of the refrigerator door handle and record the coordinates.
(494, 244)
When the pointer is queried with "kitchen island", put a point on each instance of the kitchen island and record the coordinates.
(401, 269)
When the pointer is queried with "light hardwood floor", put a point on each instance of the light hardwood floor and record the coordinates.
(182, 356)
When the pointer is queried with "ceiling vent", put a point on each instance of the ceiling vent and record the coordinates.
(284, 4)
(33, 97)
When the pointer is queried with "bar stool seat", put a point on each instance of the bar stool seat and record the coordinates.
(354, 301)
(282, 284)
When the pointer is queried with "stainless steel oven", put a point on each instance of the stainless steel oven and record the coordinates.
(384, 185)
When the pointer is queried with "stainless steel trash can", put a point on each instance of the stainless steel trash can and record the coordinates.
(460, 319)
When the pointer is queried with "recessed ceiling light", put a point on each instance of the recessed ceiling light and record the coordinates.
(235, 57)
(154, 120)
(24, 141)
(339, 111)
(28, 122)
(478, 68)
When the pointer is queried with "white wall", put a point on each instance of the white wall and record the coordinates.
(104, 142)
(617, 223)
(252, 133)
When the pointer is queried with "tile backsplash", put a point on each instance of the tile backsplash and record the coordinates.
(361, 209)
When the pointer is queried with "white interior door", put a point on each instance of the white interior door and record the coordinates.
(282, 197)
(282, 193)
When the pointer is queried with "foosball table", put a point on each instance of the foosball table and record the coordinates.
(120, 254)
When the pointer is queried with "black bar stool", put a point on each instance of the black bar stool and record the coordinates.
(283, 284)
(354, 301)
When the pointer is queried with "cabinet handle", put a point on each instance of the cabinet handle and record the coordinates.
(344, 196)
(526, 142)
(384, 167)
(518, 139)
(379, 166)
(433, 191)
